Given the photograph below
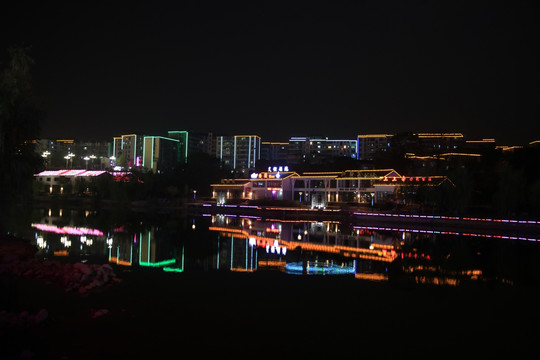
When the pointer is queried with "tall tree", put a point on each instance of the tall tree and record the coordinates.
(19, 120)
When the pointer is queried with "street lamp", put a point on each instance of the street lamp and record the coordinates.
(112, 161)
(92, 157)
(45, 156)
(86, 158)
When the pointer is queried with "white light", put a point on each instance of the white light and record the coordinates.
(40, 242)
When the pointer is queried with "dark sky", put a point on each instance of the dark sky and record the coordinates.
(281, 69)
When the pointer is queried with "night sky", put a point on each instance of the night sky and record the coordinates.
(280, 69)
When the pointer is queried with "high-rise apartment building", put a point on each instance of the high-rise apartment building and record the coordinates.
(317, 150)
(160, 153)
(128, 150)
(240, 152)
(369, 145)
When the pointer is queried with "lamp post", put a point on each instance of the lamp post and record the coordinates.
(92, 157)
(86, 158)
(45, 156)
(112, 161)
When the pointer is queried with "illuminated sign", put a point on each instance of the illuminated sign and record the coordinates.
(405, 178)
(278, 168)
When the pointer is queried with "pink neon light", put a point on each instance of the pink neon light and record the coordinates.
(68, 230)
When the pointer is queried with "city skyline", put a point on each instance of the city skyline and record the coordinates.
(283, 69)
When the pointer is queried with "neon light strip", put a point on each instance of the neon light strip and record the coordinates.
(448, 218)
(445, 233)
(159, 263)
(68, 230)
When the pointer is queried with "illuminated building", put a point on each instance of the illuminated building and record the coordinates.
(275, 152)
(369, 145)
(128, 150)
(319, 189)
(160, 153)
(239, 152)
(63, 181)
(317, 150)
(68, 153)
(192, 142)
(182, 147)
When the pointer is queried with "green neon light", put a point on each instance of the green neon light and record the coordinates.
(159, 263)
(148, 250)
(171, 269)
(144, 151)
(185, 142)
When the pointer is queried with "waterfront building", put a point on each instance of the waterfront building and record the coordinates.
(64, 181)
(160, 153)
(321, 189)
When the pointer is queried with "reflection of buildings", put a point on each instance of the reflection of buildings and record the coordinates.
(69, 239)
(301, 247)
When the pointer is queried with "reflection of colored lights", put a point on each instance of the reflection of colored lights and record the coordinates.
(158, 264)
(371, 277)
(446, 233)
(115, 260)
(68, 230)
(172, 269)
(318, 268)
(415, 216)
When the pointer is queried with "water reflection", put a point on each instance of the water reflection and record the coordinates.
(176, 243)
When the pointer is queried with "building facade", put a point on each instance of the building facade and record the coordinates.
(160, 153)
(239, 152)
(128, 150)
(369, 145)
(321, 189)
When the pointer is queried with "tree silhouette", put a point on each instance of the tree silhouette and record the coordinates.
(19, 120)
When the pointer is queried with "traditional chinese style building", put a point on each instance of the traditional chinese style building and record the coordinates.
(319, 189)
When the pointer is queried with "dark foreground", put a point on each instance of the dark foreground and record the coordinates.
(151, 314)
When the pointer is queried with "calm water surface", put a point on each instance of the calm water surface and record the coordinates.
(227, 243)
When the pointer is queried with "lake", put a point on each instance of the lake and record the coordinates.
(248, 285)
(179, 242)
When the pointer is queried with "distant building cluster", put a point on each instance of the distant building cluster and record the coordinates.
(243, 153)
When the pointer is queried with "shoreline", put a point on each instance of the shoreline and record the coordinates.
(355, 216)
